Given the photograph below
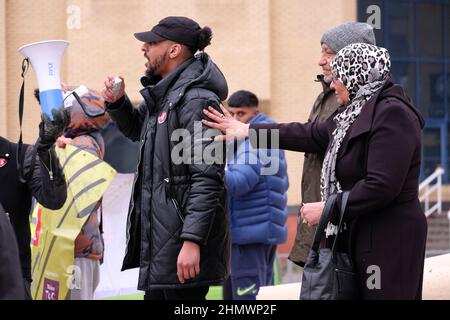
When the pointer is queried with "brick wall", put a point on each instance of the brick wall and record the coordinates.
(3, 87)
(268, 46)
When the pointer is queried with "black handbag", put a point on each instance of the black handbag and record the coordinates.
(329, 275)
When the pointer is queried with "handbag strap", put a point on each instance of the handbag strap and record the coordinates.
(323, 221)
(345, 195)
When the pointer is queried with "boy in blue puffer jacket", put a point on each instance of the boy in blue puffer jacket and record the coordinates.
(257, 183)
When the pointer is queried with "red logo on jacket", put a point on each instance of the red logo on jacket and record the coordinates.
(3, 162)
(162, 117)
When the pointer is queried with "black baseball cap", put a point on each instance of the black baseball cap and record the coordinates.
(178, 29)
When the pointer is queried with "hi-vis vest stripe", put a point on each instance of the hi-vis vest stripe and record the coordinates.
(87, 179)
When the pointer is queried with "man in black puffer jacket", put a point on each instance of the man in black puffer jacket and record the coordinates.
(177, 230)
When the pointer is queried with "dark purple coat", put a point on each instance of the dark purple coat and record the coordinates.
(379, 162)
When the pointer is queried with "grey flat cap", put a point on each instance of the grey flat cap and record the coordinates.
(348, 33)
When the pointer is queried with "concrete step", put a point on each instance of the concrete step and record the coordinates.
(438, 241)
(438, 237)
(436, 252)
(438, 232)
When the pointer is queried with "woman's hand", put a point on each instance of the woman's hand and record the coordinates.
(232, 128)
(311, 212)
(62, 141)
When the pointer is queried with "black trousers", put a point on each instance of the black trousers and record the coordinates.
(226, 290)
(195, 293)
(27, 285)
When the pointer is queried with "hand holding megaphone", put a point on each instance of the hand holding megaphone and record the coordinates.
(114, 89)
(50, 130)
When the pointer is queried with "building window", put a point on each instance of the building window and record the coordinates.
(417, 35)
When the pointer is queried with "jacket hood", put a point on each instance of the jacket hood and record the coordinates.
(202, 72)
(197, 72)
(393, 90)
(261, 118)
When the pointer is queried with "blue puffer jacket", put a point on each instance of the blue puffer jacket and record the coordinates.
(257, 201)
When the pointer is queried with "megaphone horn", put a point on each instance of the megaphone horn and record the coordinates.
(45, 57)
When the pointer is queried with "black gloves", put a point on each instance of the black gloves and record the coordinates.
(50, 130)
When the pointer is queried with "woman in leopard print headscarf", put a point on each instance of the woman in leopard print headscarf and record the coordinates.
(363, 70)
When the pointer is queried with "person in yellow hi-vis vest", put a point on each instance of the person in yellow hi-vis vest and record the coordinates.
(83, 133)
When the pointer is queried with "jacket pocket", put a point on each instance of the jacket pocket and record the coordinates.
(171, 196)
(177, 209)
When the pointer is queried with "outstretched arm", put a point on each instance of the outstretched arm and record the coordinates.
(309, 137)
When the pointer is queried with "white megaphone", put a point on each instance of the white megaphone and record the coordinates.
(45, 57)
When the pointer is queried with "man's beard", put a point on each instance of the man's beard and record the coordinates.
(150, 78)
(154, 69)
(151, 74)
(327, 81)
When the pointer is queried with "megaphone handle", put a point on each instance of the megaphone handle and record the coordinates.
(25, 65)
(19, 158)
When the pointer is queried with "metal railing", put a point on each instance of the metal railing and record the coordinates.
(427, 187)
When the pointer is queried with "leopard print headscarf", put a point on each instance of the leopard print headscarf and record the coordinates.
(363, 69)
